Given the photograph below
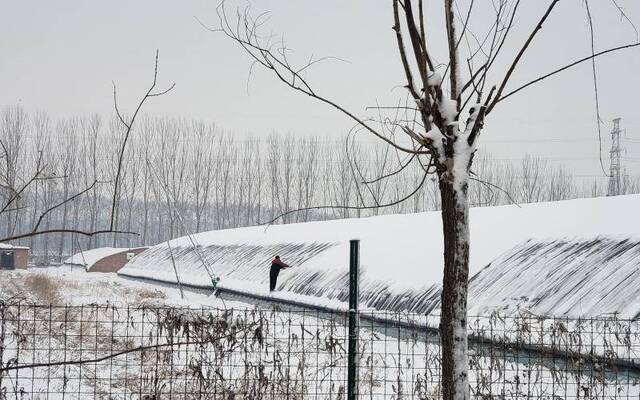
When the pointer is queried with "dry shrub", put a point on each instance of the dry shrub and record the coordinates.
(149, 294)
(42, 287)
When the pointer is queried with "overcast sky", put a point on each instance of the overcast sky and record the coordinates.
(61, 57)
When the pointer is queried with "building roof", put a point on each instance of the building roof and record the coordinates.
(89, 258)
(7, 246)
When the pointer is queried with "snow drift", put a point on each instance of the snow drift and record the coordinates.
(401, 255)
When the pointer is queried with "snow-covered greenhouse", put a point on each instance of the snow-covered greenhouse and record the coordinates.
(522, 257)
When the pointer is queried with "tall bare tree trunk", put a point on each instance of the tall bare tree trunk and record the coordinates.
(453, 319)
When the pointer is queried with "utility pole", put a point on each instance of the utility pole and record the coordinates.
(614, 156)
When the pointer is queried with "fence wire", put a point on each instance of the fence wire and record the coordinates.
(110, 352)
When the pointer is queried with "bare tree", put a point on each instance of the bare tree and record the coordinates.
(41, 126)
(52, 177)
(202, 169)
(343, 183)
(560, 185)
(630, 184)
(147, 181)
(68, 147)
(532, 173)
(12, 138)
(381, 167)
(259, 185)
(442, 126)
(306, 174)
(352, 174)
(90, 144)
(226, 158)
(251, 178)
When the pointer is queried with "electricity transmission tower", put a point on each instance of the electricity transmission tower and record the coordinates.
(614, 156)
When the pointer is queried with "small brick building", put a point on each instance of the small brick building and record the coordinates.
(13, 257)
(104, 259)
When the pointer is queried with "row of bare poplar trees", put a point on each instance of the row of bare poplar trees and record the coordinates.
(183, 176)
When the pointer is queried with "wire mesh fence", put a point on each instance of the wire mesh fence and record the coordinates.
(109, 352)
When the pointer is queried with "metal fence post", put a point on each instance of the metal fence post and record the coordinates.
(2, 333)
(352, 373)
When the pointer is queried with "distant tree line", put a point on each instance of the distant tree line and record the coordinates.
(183, 176)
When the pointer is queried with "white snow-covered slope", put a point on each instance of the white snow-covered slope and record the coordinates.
(401, 255)
(573, 277)
(88, 258)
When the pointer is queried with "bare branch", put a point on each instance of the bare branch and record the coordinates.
(500, 37)
(491, 185)
(566, 67)
(403, 54)
(524, 48)
(115, 105)
(67, 200)
(419, 50)
(395, 172)
(245, 34)
(595, 86)
(170, 88)
(18, 193)
(452, 42)
(76, 231)
(623, 15)
(393, 203)
(121, 353)
(127, 133)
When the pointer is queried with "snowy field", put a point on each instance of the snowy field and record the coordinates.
(72, 286)
(206, 347)
(401, 255)
(241, 351)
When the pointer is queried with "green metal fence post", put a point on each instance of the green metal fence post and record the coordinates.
(352, 374)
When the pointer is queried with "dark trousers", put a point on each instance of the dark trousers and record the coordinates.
(273, 278)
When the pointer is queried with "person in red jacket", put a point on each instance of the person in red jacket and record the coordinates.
(276, 266)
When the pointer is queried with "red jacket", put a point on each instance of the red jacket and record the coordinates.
(278, 263)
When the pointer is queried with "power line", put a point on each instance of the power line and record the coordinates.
(244, 138)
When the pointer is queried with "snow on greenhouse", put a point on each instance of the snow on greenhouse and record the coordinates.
(103, 259)
(593, 276)
(401, 255)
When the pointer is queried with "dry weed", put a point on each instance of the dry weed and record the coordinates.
(42, 287)
(144, 295)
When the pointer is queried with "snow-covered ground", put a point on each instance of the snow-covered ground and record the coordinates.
(72, 286)
(401, 255)
(275, 353)
(312, 346)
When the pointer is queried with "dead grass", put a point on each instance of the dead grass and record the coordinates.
(145, 295)
(51, 287)
(43, 287)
